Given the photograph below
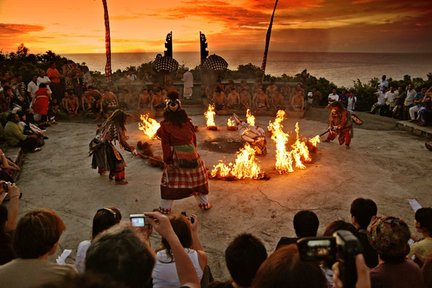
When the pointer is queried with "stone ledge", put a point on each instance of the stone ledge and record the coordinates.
(415, 129)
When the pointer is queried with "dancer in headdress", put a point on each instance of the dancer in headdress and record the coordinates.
(340, 124)
(184, 173)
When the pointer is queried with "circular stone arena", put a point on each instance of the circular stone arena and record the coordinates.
(385, 164)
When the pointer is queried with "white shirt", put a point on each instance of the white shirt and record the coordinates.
(188, 79)
(332, 98)
(390, 97)
(351, 103)
(410, 95)
(45, 80)
(381, 98)
(32, 87)
(81, 255)
(165, 273)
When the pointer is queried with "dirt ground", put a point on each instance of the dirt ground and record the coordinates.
(385, 164)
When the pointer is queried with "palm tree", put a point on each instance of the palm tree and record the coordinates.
(107, 42)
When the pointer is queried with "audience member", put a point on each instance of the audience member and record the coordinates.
(362, 212)
(243, 257)
(122, 254)
(332, 97)
(383, 84)
(423, 224)
(409, 100)
(7, 168)
(284, 268)
(380, 102)
(8, 219)
(305, 223)
(15, 137)
(36, 238)
(427, 272)
(389, 236)
(102, 220)
(164, 273)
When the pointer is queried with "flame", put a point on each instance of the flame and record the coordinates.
(231, 122)
(250, 119)
(244, 167)
(299, 154)
(283, 157)
(209, 115)
(148, 125)
(315, 140)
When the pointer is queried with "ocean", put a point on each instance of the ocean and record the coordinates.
(340, 68)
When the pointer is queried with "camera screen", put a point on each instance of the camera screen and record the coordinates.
(138, 221)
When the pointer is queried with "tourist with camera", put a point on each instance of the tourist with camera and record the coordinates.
(102, 220)
(165, 272)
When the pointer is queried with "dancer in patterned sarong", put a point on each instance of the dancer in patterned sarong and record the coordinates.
(184, 174)
(105, 155)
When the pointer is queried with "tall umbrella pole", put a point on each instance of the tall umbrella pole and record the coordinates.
(268, 35)
(107, 43)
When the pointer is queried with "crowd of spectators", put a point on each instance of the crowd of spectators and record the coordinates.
(120, 254)
(404, 103)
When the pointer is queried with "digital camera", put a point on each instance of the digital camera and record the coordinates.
(137, 220)
(343, 247)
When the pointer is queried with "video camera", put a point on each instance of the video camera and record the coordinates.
(343, 247)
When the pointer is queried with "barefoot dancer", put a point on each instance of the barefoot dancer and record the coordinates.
(105, 155)
(184, 174)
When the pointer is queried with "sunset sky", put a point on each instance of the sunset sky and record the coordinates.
(77, 26)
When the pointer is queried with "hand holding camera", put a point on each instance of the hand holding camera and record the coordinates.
(141, 224)
(342, 247)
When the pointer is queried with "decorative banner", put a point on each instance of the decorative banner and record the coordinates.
(264, 62)
(107, 43)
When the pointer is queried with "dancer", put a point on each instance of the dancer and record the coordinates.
(340, 123)
(105, 155)
(185, 173)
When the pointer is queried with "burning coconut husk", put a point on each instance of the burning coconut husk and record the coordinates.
(231, 124)
(209, 115)
(145, 152)
(148, 125)
(250, 119)
(286, 160)
(244, 167)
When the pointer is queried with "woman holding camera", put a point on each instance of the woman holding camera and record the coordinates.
(165, 272)
(185, 173)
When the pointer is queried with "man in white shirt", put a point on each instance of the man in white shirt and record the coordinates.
(390, 100)
(380, 102)
(32, 87)
(333, 96)
(43, 78)
(188, 84)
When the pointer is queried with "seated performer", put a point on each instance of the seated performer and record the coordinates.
(253, 135)
(233, 99)
(260, 100)
(340, 123)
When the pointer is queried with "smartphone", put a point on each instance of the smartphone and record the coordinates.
(137, 220)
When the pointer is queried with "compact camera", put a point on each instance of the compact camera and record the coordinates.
(343, 246)
(6, 186)
(137, 220)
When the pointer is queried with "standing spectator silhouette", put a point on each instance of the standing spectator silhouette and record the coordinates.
(243, 257)
(305, 223)
(362, 212)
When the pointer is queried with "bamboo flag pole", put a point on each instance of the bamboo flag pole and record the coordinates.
(107, 43)
(268, 35)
